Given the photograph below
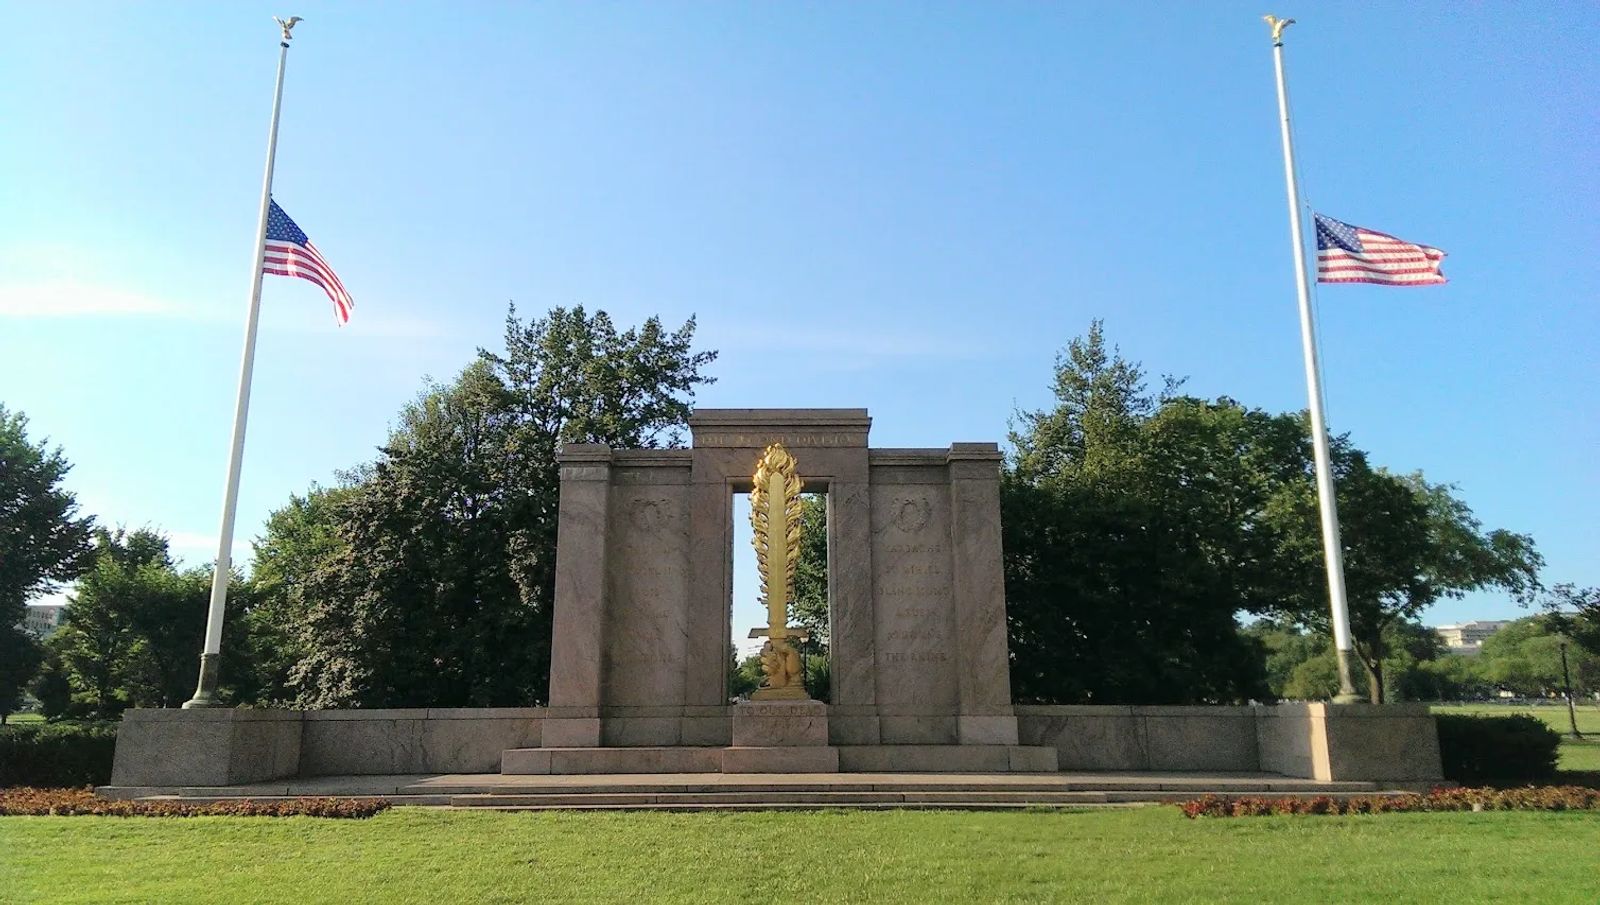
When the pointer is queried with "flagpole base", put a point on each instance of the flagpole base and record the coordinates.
(206, 694)
(1347, 689)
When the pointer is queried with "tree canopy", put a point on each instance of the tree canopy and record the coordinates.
(1124, 554)
(43, 542)
(1138, 525)
(428, 577)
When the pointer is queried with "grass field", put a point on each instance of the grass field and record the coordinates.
(1576, 754)
(24, 718)
(1140, 855)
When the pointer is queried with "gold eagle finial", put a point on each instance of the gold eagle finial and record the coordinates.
(1278, 25)
(287, 26)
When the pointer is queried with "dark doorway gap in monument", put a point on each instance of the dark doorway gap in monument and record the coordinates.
(746, 613)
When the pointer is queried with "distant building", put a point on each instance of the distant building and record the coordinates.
(1468, 637)
(41, 620)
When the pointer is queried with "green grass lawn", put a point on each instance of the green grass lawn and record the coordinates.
(1141, 855)
(1576, 754)
(24, 718)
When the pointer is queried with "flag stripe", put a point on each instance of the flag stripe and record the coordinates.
(289, 252)
(1355, 254)
(341, 301)
(1357, 268)
(1382, 281)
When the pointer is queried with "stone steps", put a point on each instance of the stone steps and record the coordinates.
(736, 792)
(775, 800)
(791, 759)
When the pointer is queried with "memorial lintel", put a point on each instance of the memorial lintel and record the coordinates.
(797, 428)
(980, 452)
(679, 458)
(583, 453)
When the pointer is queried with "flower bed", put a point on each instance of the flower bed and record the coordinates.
(29, 802)
(1530, 798)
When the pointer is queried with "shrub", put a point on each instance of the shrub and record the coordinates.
(1530, 798)
(27, 802)
(57, 754)
(1497, 749)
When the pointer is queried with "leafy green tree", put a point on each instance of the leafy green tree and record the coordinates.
(51, 686)
(134, 624)
(1525, 657)
(1124, 553)
(1575, 612)
(429, 580)
(43, 542)
(744, 676)
(1302, 666)
(1450, 677)
(1137, 525)
(1407, 543)
(95, 643)
(811, 571)
(20, 656)
(300, 538)
(1287, 648)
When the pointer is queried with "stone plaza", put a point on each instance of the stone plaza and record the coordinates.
(917, 645)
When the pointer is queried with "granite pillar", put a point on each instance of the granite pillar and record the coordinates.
(577, 640)
(979, 596)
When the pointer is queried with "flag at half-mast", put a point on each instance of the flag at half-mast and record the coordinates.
(289, 253)
(1355, 254)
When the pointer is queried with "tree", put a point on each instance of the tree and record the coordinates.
(811, 571)
(20, 657)
(300, 538)
(96, 643)
(1525, 658)
(1125, 557)
(429, 579)
(1287, 649)
(1407, 544)
(1137, 525)
(744, 676)
(1302, 666)
(134, 624)
(51, 686)
(43, 542)
(1575, 612)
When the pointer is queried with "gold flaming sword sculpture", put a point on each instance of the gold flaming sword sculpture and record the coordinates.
(775, 516)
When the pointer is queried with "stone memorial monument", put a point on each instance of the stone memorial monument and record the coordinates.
(919, 668)
(916, 600)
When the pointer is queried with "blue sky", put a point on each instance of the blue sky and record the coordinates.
(919, 203)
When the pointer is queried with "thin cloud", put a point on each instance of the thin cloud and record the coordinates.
(71, 298)
(855, 345)
(58, 298)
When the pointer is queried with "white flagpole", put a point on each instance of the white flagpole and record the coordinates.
(1333, 552)
(205, 694)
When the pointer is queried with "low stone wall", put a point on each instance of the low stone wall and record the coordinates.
(1391, 743)
(1143, 738)
(225, 747)
(218, 747)
(433, 740)
(1394, 743)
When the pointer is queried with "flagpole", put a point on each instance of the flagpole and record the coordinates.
(205, 694)
(1333, 551)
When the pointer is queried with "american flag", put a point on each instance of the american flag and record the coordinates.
(1355, 254)
(289, 253)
